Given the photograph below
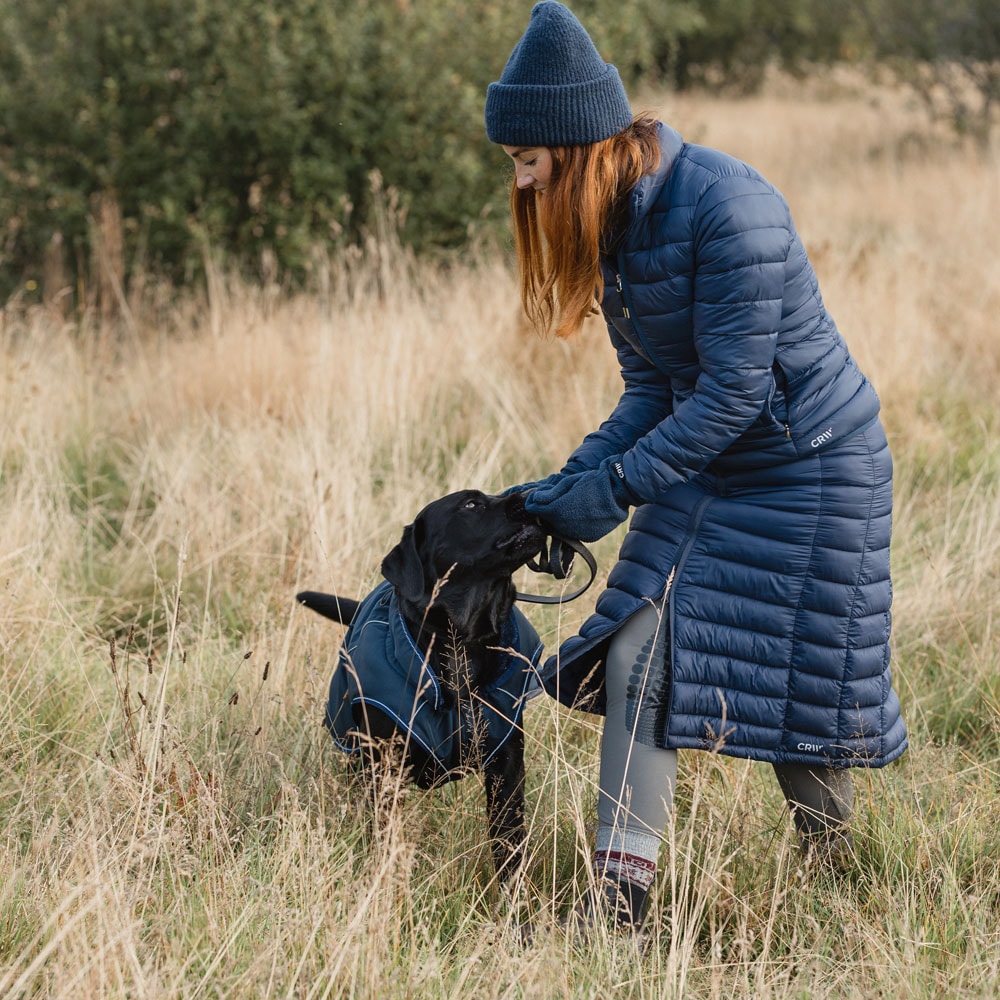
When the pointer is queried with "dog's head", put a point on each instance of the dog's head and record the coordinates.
(458, 556)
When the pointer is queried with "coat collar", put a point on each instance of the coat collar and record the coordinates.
(671, 144)
(643, 194)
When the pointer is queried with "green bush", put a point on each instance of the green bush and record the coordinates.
(732, 42)
(248, 126)
(137, 134)
(239, 124)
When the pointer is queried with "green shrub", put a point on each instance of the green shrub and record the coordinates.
(730, 43)
(136, 133)
(239, 124)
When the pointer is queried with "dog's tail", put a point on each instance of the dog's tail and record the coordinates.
(340, 609)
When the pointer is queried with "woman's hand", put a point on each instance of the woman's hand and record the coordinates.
(528, 487)
(584, 506)
(556, 558)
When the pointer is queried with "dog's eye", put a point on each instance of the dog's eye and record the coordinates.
(472, 505)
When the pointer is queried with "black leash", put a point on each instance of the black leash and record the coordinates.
(581, 550)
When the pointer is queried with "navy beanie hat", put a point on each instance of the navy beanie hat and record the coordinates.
(556, 90)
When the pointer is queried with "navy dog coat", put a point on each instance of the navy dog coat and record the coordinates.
(380, 665)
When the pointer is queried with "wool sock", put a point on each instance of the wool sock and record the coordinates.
(625, 865)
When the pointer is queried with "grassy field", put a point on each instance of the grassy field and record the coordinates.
(174, 821)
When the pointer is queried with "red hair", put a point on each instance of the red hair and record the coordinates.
(557, 233)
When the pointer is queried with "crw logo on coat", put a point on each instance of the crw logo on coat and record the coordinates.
(822, 438)
(814, 747)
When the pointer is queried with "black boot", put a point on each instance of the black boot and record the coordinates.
(617, 904)
(627, 903)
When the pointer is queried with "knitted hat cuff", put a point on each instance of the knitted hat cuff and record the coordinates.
(562, 115)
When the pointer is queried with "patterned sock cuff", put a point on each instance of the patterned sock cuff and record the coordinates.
(621, 867)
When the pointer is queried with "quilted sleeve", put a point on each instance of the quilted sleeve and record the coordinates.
(645, 402)
(741, 236)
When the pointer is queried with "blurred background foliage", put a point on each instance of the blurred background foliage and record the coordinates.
(139, 136)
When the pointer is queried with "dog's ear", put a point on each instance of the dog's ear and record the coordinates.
(406, 568)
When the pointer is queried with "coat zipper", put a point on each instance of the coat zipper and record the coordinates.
(621, 293)
(627, 312)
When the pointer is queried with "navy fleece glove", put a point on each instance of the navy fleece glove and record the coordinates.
(525, 487)
(585, 506)
(556, 558)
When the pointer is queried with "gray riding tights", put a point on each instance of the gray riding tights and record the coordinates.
(637, 781)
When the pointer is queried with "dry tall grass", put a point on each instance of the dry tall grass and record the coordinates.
(175, 820)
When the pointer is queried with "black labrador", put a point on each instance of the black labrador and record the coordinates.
(439, 659)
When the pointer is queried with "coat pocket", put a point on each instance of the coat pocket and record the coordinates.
(775, 412)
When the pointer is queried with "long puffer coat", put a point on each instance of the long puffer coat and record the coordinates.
(753, 442)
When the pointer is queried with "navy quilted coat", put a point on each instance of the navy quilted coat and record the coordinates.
(753, 443)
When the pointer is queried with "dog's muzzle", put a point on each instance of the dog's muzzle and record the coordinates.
(515, 511)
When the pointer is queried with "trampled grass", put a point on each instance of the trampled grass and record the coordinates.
(175, 821)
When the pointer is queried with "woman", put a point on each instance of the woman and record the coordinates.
(748, 613)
